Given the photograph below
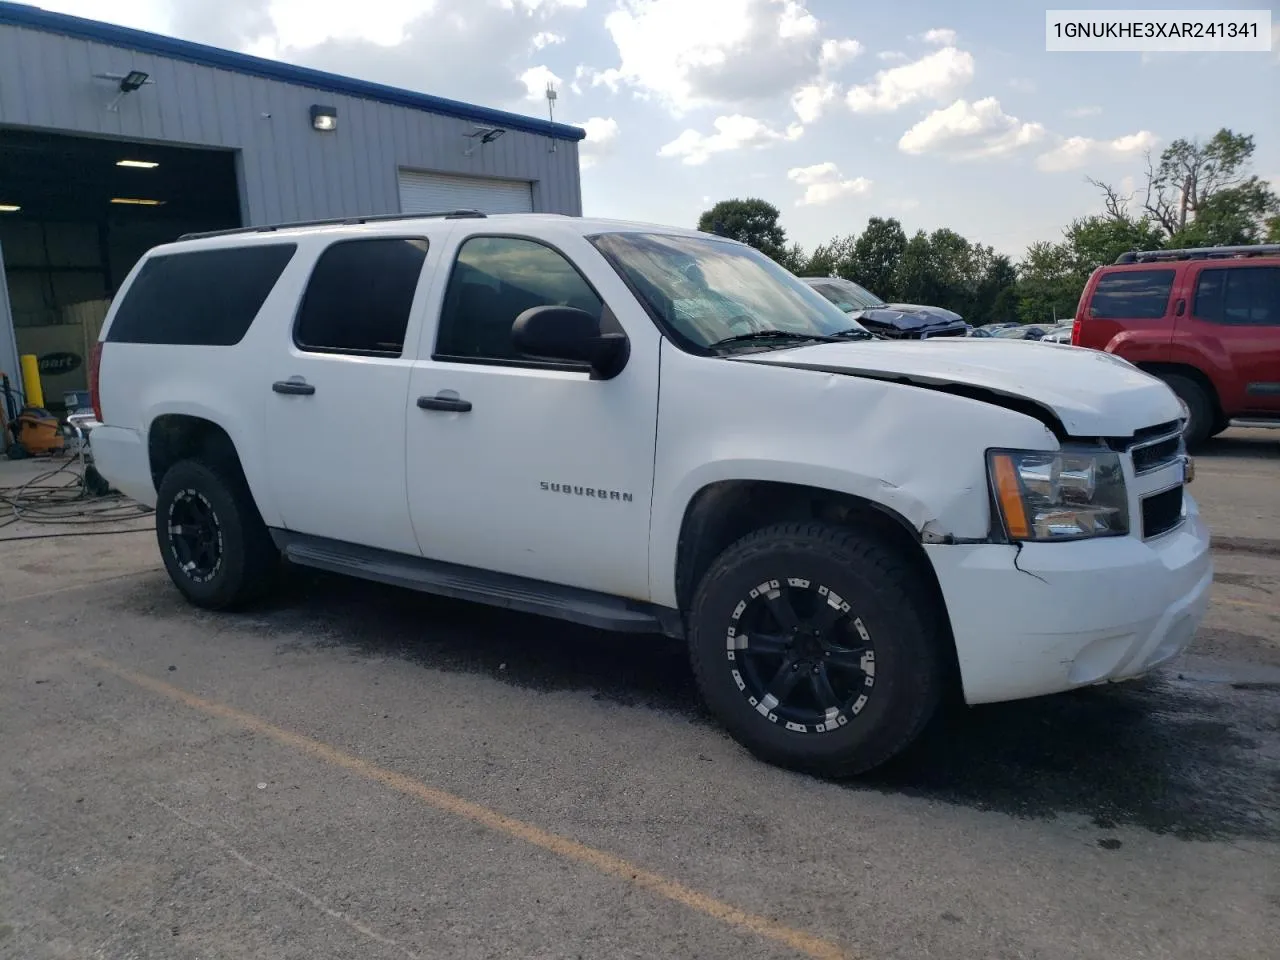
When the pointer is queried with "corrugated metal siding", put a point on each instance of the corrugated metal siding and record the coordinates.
(289, 171)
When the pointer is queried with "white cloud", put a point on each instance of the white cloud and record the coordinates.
(602, 137)
(1075, 152)
(687, 55)
(472, 50)
(970, 130)
(545, 39)
(933, 77)
(891, 56)
(735, 132)
(824, 183)
(809, 102)
(1079, 113)
(535, 81)
(941, 37)
(836, 52)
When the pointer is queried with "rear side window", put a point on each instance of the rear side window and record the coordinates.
(1132, 295)
(1243, 295)
(205, 297)
(359, 297)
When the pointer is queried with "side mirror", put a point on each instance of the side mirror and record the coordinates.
(572, 335)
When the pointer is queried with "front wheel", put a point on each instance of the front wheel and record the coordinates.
(1200, 424)
(817, 648)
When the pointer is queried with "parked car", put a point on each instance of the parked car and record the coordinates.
(1058, 334)
(897, 321)
(658, 431)
(1019, 332)
(1206, 321)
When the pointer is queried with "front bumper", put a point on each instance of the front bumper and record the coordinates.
(1049, 617)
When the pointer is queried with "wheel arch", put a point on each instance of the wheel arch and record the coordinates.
(196, 433)
(722, 512)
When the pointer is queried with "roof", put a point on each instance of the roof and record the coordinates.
(23, 15)
(396, 225)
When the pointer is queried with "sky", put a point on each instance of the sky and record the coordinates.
(938, 113)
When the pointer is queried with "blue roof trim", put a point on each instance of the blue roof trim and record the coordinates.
(23, 15)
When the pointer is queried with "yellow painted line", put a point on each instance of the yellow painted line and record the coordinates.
(803, 943)
(1248, 603)
(83, 585)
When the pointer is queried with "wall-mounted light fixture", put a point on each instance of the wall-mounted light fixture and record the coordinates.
(138, 164)
(127, 83)
(324, 118)
(9, 207)
(480, 136)
(137, 202)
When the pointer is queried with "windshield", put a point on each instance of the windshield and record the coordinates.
(710, 290)
(846, 294)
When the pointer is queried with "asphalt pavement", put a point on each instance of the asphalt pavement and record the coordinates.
(356, 771)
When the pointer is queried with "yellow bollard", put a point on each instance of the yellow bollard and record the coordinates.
(33, 392)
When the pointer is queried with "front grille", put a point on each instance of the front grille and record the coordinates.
(1152, 456)
(1161, 512)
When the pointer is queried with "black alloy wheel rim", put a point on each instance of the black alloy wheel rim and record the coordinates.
(195, 536)
(800, 656)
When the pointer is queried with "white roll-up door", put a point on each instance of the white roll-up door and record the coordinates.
(437, 192)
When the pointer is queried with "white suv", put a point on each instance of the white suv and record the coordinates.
(655, 430)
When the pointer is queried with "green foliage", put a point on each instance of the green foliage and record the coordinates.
(873, 257)
(1197, 194)
(752, 221)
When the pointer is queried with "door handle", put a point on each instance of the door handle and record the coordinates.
(445, 403)
(297, 387)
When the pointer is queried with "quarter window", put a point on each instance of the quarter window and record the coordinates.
(1132, 295)
(496, 279)
(1239, 295)
(359, 297)
(202, 297)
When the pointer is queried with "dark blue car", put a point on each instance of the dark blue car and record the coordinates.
(898, 321)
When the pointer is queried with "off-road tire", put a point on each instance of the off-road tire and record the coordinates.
(902, 620)
(249, 563)
(1203, 416)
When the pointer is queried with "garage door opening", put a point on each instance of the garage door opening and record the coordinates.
(86, 210)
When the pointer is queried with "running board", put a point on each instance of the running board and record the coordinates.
(600, 610)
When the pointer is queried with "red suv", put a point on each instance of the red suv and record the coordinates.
(1206, 321)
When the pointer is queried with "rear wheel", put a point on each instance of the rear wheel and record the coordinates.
(1203, 417)
(816, 649)
(215, 547)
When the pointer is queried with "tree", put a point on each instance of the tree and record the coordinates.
(1049, 284)
(752, 221)
(831, 259)
(873, 258)
(1093, 241)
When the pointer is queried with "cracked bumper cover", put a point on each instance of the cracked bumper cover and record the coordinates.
(1072, 614)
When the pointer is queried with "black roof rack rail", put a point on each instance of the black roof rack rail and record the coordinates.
(1201, 253)
(336, 221)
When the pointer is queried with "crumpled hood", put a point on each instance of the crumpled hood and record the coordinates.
(1094, 394)
(906, 317)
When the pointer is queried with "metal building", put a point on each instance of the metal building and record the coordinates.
(113, 140)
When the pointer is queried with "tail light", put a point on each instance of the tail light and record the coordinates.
(95, 362)
(1075, 332)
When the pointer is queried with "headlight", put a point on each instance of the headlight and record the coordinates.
(1068, 495)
